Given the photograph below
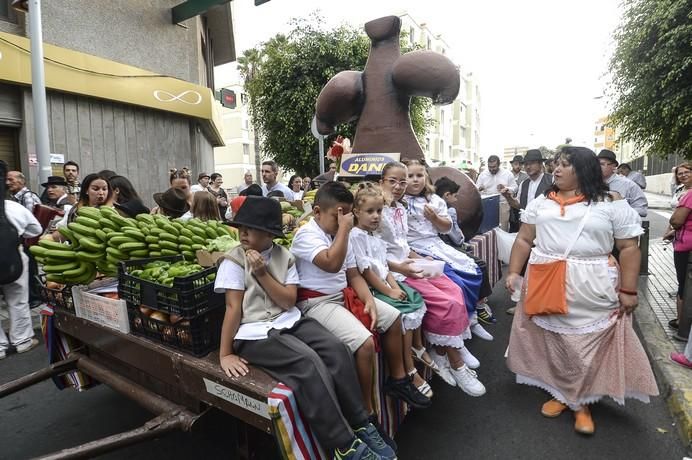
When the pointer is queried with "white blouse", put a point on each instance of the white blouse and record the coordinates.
(370, 252)
(419, 227)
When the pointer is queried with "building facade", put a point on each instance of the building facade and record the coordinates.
(604, 136)
(454, 138)
(238, 155)
(127, 89)
(511, 152)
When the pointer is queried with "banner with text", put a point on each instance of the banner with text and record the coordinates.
(363, 164)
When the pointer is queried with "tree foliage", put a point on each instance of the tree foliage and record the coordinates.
(651, 73)
(290, 75)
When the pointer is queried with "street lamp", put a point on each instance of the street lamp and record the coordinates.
(38, 85)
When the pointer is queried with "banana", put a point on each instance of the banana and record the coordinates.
(186, 232)
(90, 212)
(177, 225)
(92, 245)
(107, 223)
(154, 247)
(85, 256)
(189, 255)
(119, 220)
(132, 233)
(151, 239)
(81, 229)
(38, 251)
(131, 222)
(170, 229)
(100, 235)
(119, 240)
(185, 248)
(185, 240)
(146, 218)
(66, 232)
(168, 237)
(60, 268)
(139, 253)
(199, 231)
(167, 245)
(114, 252)
(169, 252)
(77, 272)
(48, 244)
(107, 212)
(154, 254)
(196, 247)
(112, 260)
(211, 232)
(198, 240)
(221, 232)
(112, 235)
(132, 246)
(155, 231)
(86, 221)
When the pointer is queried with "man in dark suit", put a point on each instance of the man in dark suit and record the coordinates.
(536, 184)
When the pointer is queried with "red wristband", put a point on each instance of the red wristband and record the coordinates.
(625, 291)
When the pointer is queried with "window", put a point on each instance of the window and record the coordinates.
(246, 153)
(412, 34)
(243, 98)
(429, 43)
(442, 122)
(427, 144)
(246, 124)
(6, 12)
(442, 147)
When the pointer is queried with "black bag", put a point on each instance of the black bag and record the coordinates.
(9, 238)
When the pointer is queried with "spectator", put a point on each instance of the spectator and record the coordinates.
(538, 183)
(306, 183)
(16, 184)
(71, 172)
(204, 206)
(56, 192)
(549, 165)
(332, 167)
(295, 183)
(173, 203)
(517, 164)
(202, 183)
(252, 190)
(16, 293)
(269, 172)
(180, 179)
(635, 176)
(218, 192)
(622, 185)
(126, 200)
(247, 181)
(494, 180)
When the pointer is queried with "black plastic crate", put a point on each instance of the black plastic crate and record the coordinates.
(58, 298)
(189, 297)
(198, 336)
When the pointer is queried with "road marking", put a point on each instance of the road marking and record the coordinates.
(664, 214)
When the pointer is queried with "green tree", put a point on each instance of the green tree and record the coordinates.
(651, 73)
(289, 77)
(248, 64)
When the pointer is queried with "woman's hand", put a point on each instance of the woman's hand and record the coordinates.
(234, 366)
(409, 271)
(627, 304)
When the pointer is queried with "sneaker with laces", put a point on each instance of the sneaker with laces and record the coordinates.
(369, 435)
(470, 360)
(485, 313)
(480, 332)
(372, 418)
(357, 451)
(468, 381)
(27, 346)
(406, 391)
(444, 368)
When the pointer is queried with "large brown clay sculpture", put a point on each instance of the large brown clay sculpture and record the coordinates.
(379, 98)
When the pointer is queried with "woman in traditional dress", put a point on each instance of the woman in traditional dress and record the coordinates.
(591, 351)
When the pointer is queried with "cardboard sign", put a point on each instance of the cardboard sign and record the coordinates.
(239, 399)
(362, 164)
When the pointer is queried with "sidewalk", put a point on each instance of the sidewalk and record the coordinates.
(657, 201)
(656, 308)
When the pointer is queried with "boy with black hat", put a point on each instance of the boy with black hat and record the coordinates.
(263, 327)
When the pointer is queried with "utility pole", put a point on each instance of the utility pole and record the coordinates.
(38, 85)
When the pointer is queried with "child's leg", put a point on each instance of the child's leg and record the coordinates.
(393, 350)
(365, 360)
(288, 359)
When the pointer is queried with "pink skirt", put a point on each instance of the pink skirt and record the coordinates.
(579, 369)
(446, 322)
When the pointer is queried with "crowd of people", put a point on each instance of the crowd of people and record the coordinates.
(354, 281)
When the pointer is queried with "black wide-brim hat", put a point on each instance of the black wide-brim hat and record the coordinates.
(132, 208)
(260, 213)
(534, 155)
(518, 159)
(55, 180)
(172, 199)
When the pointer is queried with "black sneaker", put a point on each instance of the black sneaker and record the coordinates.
(358, 451)
(370, 436)
(383, 434)
(405, 390)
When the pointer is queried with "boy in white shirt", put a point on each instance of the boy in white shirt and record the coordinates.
(263, 327)
(326, 266)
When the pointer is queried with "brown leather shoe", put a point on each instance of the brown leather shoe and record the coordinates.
(553, 408)
(583, 423)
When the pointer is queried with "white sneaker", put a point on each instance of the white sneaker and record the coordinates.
(445, 370)
(480, 332)
(468, 381)
(469, 359)
(3, 354)
(27, 346)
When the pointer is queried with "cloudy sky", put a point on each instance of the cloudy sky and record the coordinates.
(541, 64)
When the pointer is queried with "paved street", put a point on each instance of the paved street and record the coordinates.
(505, 423)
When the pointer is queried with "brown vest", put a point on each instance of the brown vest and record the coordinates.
(257, 305)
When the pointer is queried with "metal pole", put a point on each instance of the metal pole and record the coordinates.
(38, 91)
(321, 142)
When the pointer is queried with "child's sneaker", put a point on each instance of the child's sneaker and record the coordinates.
(369, 435)
(444, 369)
(358, 451)
(468, 381)
(470, 360)
(406, 391)
(485, 314)
(480, 332)
(372, 418)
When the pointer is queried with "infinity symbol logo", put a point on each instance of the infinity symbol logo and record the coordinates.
(165, 96)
